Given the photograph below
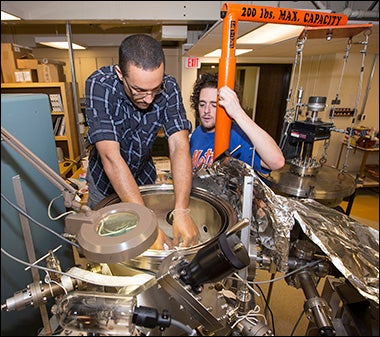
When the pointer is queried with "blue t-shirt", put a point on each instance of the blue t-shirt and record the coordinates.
(202, 148)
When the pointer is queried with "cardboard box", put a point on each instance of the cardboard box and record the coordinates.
(26, 75)
(50, 73)
(27, 63)
(9, 54)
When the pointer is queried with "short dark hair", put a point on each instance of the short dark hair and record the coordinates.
(142, 51)
(205, 80)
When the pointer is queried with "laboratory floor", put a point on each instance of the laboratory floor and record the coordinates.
(365, 208)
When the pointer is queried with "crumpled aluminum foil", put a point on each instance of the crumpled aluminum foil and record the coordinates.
(352, 247)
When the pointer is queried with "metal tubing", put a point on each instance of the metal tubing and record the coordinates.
(375, 57)
(31, 158)
(41, 166)
(67, 190)
(74, 88)
(29, 245)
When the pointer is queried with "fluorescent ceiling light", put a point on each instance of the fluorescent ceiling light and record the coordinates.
(59, 42)
(218, 52)
(8, 17)
(271, 33)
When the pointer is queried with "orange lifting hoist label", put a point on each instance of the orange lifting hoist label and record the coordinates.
(231, 15)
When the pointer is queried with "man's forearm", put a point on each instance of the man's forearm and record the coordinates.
(181, 169)
(123, 182)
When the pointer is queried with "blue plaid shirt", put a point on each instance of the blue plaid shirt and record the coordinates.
(112, 116)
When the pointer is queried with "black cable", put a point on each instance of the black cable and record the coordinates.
(296, 324)
(270, 288)
(149, 317)
(268, 307)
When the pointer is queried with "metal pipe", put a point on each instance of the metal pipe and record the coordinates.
(74, 88)
(29, 245)
(41, 166)
(361, 14)
(316, 307)
(247, 214)
(369, 84)
(67, 190)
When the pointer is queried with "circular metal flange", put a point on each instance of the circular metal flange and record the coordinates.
(304, 170)
(211, 214)
(328, 185)
(118, 232)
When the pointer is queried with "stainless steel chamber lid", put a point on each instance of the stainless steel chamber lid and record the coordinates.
(118, 232)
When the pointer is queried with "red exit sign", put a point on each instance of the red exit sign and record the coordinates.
(193, 62)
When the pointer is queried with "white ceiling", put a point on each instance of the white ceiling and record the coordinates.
(313, 46)
(106, 23)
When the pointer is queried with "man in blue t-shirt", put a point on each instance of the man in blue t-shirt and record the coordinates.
(248, 142)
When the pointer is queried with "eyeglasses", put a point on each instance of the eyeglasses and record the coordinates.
(138, 93)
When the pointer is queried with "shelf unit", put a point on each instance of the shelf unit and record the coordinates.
(68, 141)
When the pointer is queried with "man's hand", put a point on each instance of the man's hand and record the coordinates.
(162, 239)
(229, 100)
(185, 231)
